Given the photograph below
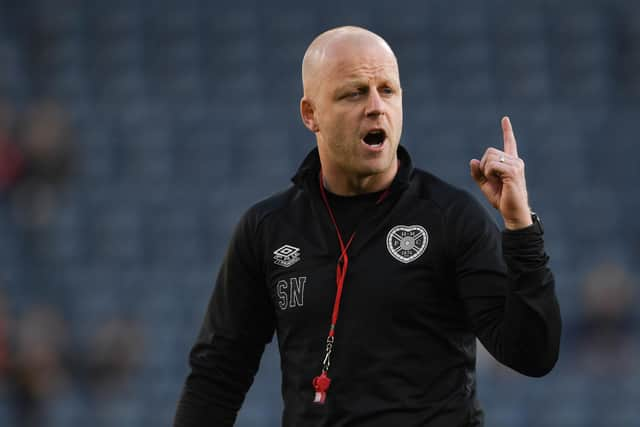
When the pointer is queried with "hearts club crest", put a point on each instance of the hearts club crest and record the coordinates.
(407, 242)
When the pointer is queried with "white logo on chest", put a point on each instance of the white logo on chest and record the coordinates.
(286, 255)
(407, 242)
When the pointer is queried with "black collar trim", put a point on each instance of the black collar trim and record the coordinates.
(310, 168)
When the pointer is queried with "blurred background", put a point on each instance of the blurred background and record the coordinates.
(133, 135)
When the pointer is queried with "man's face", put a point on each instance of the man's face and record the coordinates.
(358, 110)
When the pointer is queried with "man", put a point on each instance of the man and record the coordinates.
(377, 277)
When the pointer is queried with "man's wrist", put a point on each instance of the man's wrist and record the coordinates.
(518, 224)
(534, 225)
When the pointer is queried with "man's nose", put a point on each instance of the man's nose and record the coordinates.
(375, 104)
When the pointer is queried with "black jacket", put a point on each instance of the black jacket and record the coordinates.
(404, 351)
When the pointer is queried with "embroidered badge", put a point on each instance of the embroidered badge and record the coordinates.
(286, 255)
(407, 242)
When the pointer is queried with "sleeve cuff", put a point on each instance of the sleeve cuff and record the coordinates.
(523, 249)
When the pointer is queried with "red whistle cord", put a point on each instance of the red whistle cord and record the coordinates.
(322, 382)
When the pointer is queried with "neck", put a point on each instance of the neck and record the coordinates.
(349, 185)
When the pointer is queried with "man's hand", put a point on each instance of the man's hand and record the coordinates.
(500, 176)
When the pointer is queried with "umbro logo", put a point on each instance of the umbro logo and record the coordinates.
(286, 255)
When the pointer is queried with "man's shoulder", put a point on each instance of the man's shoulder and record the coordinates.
(436, 189)
(273, 204)
(455, 203)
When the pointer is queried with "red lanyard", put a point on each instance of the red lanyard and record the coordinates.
(321, 382)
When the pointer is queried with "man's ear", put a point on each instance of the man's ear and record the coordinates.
(308, 116)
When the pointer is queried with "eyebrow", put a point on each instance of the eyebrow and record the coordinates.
(352, 83)
(362, 82)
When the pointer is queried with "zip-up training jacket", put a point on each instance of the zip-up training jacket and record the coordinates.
(428, 272)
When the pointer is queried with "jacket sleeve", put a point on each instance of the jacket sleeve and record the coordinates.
(507, 289)
(239, 322)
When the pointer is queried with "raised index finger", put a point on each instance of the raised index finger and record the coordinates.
(510, 146)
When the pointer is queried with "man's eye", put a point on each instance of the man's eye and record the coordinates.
(388, 91)
(355, 93)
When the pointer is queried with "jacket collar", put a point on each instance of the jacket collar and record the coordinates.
(310, 168)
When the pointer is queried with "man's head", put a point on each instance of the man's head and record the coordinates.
(353, 103)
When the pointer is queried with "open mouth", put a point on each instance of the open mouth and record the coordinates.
(375, 138)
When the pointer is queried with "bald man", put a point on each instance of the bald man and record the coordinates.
(376, 276)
